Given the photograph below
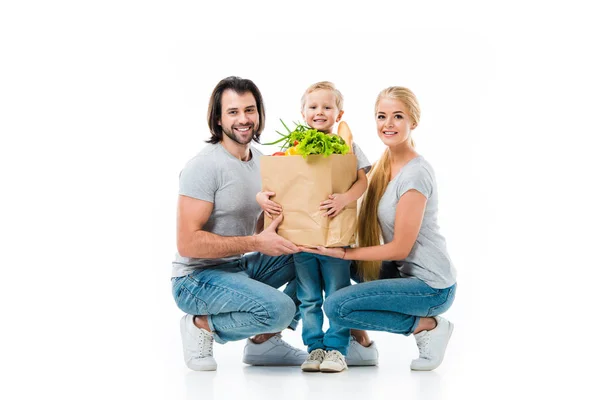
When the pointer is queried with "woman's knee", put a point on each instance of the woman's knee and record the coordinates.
(332, 307)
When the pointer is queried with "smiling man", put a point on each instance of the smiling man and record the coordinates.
(226, 271)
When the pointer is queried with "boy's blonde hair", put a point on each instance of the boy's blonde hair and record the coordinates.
(369, 232)
(324, 85)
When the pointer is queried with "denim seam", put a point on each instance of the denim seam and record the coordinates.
(197, 300)
(432, 309)
(393, 293)
(229, 290)
(376, 327)
(275, 268)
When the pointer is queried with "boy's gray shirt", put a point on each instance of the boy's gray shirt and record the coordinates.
(216, 176)
(362, 162)
(428, 260)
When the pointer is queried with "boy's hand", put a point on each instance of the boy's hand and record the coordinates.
(270, 208)
(334, 205)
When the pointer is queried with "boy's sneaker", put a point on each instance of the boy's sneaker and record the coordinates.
(197, 345)
(334, 361)
(432, 345)
(359, 355)
(274, 351)
(313, 361)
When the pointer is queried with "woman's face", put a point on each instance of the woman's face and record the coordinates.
(394, 124)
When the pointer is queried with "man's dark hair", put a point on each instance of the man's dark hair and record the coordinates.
(240, 86)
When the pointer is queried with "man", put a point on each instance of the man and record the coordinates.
(226, 272)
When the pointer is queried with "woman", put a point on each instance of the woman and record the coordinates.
(399, 209)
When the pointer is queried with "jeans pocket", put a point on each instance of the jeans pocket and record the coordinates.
(448, 297)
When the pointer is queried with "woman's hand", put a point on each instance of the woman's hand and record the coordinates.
(271, 209)
(336, 252)
(334, 205)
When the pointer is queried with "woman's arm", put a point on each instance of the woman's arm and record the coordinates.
(408, 219)
(409, 216)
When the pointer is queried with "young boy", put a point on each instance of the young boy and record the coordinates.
(322, 108)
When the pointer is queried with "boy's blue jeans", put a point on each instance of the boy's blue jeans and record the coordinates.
(390, 304)
(241, 298)
(315, 274)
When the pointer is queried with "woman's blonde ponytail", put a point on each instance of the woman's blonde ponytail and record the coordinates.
(369, 231)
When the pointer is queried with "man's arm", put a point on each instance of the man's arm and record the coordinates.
(193, 242)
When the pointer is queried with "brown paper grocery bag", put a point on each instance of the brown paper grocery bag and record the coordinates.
(300, 185)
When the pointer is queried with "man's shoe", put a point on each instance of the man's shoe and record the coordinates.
(359, 355)
(432, 345)
(313, 361)
(274, 351)
(197, 346)
(334, 362)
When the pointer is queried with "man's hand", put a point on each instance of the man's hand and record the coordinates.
(270, 208)
(270, 243)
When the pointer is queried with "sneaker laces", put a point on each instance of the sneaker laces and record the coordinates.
(205, 349)
(334, 355)
(279, 340)
(316, 355)
(423, 345)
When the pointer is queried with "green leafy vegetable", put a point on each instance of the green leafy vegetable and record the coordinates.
(311, 141)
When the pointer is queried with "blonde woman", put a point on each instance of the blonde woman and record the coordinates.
(400, 210)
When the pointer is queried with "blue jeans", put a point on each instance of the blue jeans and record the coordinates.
(241, 298)
(315, 274)
(390, 304)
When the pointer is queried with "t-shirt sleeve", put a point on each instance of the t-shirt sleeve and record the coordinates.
(198, 179)
(362, 162)
(418, 179)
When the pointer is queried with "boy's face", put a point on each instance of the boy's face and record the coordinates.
(320, 111)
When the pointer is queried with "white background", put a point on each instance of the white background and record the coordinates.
(102, 103)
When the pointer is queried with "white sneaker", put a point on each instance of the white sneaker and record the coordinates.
(274, 351)
(313, 361)
(334, 361)
(197, 346)
(359, 355)
(432, 345)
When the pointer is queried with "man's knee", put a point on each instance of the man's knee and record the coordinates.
(281, 314)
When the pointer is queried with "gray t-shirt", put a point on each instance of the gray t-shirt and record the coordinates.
(361, 160)
(428, 260)
(216, 176)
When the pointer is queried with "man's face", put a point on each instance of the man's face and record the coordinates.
(239, 116)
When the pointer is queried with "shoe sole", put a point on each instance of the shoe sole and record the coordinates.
(261, 362)
(444, 353)
(311, 369)
(332, 367)
(364, 363)
(203, 368)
